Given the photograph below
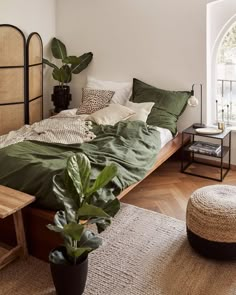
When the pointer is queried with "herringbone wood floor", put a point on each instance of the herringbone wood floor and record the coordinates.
(167, 190)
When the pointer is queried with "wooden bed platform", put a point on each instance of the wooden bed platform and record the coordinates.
(40, 240)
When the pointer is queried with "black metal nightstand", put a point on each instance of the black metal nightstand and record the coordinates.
(188, 156)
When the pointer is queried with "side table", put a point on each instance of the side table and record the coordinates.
(11, 203)
(224, 140)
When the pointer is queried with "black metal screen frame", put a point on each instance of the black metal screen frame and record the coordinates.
(29, 100)
(24, 67)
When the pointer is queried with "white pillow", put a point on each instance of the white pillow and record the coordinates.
(67, 113)
(142, 110)
(122, 90)
(70, 113)
(111, 115)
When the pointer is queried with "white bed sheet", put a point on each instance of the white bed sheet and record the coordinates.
(165, 135)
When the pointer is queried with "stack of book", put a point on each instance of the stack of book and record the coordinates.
(206, 148)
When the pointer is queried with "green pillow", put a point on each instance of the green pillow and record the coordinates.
(169, 105)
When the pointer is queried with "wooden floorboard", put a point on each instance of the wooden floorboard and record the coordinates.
(167, 190)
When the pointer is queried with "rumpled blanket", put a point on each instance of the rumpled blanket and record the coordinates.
(64, 130)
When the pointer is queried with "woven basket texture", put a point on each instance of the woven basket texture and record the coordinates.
(211, 213)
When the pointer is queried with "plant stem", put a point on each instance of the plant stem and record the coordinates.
(75, 245)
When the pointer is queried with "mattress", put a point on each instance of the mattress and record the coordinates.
(165, 135)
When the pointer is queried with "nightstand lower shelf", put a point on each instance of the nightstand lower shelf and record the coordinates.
(222, 173)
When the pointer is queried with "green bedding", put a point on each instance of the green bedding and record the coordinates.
(29, 166)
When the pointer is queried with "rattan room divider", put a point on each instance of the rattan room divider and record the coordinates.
(21, 78)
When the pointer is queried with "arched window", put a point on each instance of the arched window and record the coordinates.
(226, 78)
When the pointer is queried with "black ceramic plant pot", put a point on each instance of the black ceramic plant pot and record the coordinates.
(61, 98)
(70, 279)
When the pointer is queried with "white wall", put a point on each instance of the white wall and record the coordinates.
(33, 16)
(160, 42)
(220, 16)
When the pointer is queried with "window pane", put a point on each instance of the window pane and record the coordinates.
(226, 77)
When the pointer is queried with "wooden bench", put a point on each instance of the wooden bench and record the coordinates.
(11, 203)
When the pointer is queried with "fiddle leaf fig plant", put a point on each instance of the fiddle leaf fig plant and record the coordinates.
(69, 64)
(84, 204)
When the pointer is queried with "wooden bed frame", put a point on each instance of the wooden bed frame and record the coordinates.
(40, 239)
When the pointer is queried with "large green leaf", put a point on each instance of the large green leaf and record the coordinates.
(61, 191)
(69, 185)
(112, 207)
(66, 197)
(73, 171)
(68, 74)
(69, 204)
(62, 75)
(55, 228)
(70, 214)
(81, 251)
(79, 169)
(57, 257)
(50, 64)
(75, 254)
(82, 63)
(71, 60)
(60, 219)
(89, 240)
(56, 74)
(58, 49)
(59, 188)
(60, 222)
(101, 223)
(103, 178)
(73, 230)
(89, 211)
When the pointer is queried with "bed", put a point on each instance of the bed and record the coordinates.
(29, 162)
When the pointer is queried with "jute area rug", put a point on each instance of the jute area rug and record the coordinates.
(143, 253)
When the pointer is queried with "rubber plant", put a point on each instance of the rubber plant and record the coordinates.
(69, 64)
(84, 204)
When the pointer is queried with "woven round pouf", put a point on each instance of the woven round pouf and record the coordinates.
(211, 221)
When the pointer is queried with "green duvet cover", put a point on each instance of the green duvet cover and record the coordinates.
(29, 166)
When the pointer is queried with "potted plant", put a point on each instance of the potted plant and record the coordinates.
(85, 207)
(63, 73)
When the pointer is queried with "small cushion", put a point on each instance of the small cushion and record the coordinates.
(211, 221)
(169, 105)
(94, 100)
(111, 115)
(142, 110)
(122, 89)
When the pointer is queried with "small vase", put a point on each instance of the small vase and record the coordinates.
(69, 279)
